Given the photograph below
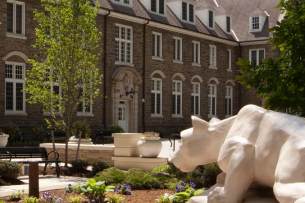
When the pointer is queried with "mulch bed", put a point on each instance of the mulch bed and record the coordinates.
(138, 196)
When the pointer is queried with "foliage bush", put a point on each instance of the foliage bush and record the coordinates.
(79, 165)
(116, 199)
(81, 126)
(75, 199)
(37, 133)
(117, 128)
(9, 170)
(99, 166)
(16, 196)
(163, 169)
(136, 178)
(27, 199)
(161, 133)
(202, 176)
(13, 131)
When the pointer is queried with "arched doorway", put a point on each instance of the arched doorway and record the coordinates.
(125, 86)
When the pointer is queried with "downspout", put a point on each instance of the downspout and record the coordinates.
(144, 75)
(239, 85)
(105, 69)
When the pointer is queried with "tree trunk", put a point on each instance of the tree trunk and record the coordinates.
(80, 137)
(53, 141)
(66, 150)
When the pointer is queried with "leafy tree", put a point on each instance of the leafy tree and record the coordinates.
(281, 80)
(64, 76)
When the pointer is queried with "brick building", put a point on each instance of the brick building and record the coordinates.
(163, 60)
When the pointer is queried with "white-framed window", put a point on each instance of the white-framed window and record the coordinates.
(196, 52)
(256, 56)
(14, 85)
(195, 100)
(188, 12)
(123, 44)
(177, 49)
(229, 101)
(211, 19)
(212, 56)
(177, 98)
(123, 2)
(255, 23)
(229, 59)
(156, 96)
(158, 6)
(157, 45)
(15, 17)
(212, 102)
(82, 107)
(228, 23)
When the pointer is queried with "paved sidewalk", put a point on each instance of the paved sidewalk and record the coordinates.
(52, 182)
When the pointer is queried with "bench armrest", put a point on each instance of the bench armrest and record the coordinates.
(56, 155)
(7, 152)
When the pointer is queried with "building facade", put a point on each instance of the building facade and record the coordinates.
(163, 61)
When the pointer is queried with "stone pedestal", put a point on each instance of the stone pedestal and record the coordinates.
(126, 144)
(253, 195)
(146, 164)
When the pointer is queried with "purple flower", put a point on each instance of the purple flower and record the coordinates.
(182, 190)
(192, 185)
(69, 185)
(182, 183)
(128, 193)
(67, 190)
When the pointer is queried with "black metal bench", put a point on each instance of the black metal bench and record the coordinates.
(174, 137)
(9, 153)
(58, 135)
(102, 134)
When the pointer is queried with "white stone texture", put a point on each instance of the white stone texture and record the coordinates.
(146, 164)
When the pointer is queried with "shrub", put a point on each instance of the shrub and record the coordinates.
(13, 131)
(117, 128)
(9, 170)
(111, 175)
(16, 196)
(95, 191)
(27, 199)
(99, 166)
(37, 133)
(75, 199)
(116, 199)
(163, 169)
(81, 126)
(139, 179)
(79, 165)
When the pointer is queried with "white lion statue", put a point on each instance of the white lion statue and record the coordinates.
(256, 146)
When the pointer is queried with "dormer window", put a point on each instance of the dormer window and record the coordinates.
(255, 23)
(211, 19)
(124, 2)
(157, 6)
(188, 12)
(228, 24)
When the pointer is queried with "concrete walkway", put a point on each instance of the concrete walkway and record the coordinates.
(52, 182)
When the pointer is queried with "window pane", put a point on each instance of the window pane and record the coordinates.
(153, 103)
(8, 71)
(173, 104)
(196, 105)
(184, 11)
(18, 72)
(123, 51)
(128, 52)
(153, 5)
(126, 1)
(18, 19)
(128, 34)
(174, 87)
(174, 51)
(178, 104)
(158, 103)
(193, 52)
(230, 107)
(213, 105)
(9, 96)
(255, 23)
(161, 6)
(178, 87)
(191, 13)
(211, 19)
(178, 49)
(192, 106)
(117, 32)
(153, 45)
(197, 53)
(228, 24)
(19, 96)
(253, 58)
(117, 51)
(261, 56)
(158, 45)
(80, 105)
(10, 17)
(158, 85)
(122, 33)
(152, 84)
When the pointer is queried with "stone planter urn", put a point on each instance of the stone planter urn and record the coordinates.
(3, 140)
(150, 147)
(82, 141)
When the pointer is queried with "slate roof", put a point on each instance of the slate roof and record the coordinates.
(239, 10)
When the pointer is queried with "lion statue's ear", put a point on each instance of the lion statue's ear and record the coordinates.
(199, 125)
(214, 120)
